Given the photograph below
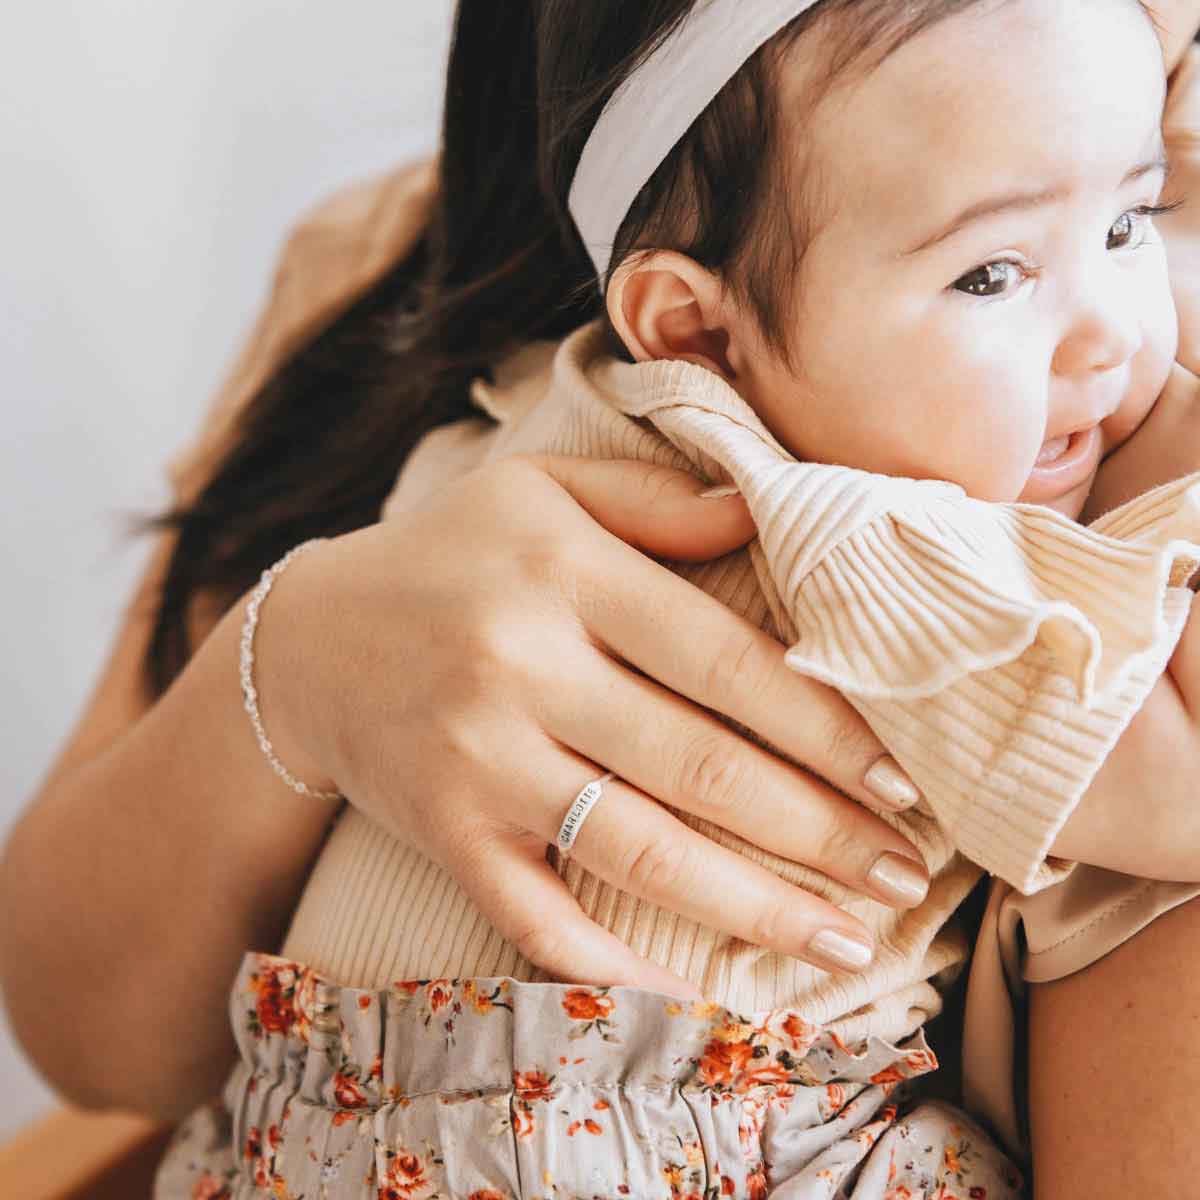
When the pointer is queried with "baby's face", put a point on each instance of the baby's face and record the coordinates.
(985, 290)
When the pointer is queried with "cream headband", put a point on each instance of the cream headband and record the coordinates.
(654, 107)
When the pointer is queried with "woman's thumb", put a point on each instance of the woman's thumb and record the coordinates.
(660, 510)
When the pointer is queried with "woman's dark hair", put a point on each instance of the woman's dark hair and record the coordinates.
(319, 446)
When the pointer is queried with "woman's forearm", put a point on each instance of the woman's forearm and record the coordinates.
(134, 882)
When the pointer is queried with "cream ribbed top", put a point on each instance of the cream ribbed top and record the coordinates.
(997, 650)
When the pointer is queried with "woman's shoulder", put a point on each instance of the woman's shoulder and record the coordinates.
(331, 256)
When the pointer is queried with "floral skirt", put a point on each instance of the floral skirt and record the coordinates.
(492, 1089)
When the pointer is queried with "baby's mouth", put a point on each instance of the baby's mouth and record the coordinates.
(1053, 449)
(1062, 464)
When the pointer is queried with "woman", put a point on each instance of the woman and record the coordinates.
(257, 857)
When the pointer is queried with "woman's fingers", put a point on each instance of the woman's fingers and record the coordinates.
(518, 891)
(656, 509)
(697, 647)
(635, 844)
(687, 758)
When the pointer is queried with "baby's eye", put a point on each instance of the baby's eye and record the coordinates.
(1126, 231)
(1130, 228)
(989, 280)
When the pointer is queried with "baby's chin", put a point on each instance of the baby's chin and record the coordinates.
(1071, 503)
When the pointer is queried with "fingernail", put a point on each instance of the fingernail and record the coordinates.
(890, 786)
(899, 879)
(720, 492)
(841, 951)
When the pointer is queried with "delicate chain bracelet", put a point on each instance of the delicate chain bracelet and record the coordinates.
(249, 692)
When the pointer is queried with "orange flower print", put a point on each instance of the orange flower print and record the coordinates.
(440, 994)
(343, 1118)
(405, 1178)
(253, 1148)
(533, 1085)
(722, 1061)
(756, 1183)
(593, 1127)
(893, 1074)
(376, 1071)
(304, 1003)
(919, 1062)
(594, 1009)
(950, 1157)
(766, 1073)
(523, 1121)
(583, 1005)
(263, 1163)
(274, 986)
(727, 1186)
(788, 1026)
(347, 1092)
(835, 1096)
(209, 1188)
(483, 1002)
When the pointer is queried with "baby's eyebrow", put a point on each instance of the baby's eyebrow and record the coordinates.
(1018, 200)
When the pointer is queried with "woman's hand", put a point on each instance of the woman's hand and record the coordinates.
(459, 673)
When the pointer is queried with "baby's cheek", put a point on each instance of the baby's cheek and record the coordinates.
(1010, 428)
(1147, 377)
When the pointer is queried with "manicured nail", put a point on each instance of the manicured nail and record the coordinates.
(841, 951)
(899, 879)
(720, 492)
(890, 786)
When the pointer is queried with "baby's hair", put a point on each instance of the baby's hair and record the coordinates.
(319, 445)
(727, 195)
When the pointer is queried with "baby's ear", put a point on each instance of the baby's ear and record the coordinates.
(664, 305)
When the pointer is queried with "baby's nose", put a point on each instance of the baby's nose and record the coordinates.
(1106, 334)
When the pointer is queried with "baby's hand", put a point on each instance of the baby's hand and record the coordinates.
(1165, 446)
(1140, 815)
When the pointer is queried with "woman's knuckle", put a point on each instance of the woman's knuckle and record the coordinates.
(658, 865)
(838, 846)
(768, 924)
(711, 770)
(541, 942)
(848, 741)
(733, 667)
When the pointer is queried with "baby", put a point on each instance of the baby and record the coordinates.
(979, 313)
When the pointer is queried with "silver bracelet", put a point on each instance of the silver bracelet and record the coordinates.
(249, 692)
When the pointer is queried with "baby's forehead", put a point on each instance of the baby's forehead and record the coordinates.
(1024, 94)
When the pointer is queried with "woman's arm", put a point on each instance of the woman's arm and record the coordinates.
(162, 846)
(157, 850)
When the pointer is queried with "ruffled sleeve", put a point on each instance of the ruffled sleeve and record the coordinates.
(997, 650)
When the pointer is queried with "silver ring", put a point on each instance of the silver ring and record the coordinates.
(577, 813)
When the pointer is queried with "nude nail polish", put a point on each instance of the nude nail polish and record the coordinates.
(890, 785)
(899, 879)
(719, 492)
(840, 950)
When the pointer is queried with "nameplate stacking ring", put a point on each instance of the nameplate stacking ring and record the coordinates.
(577, 813)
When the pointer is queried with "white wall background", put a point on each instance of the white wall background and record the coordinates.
(152, 155)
